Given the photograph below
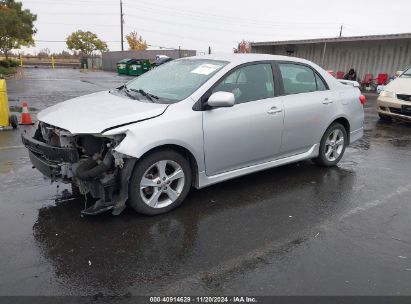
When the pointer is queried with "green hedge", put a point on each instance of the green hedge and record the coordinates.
(13, 63)
(7, 63)
(7, 71)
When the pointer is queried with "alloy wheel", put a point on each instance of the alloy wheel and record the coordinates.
(162, 184)
(334, 145)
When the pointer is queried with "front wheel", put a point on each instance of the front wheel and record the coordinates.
(332, 146)
(160, 182)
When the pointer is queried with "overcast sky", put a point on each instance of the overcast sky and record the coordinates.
(221, 24)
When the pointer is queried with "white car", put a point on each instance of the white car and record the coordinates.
(395, 100)
(195, 122)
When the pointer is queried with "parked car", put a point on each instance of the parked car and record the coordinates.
(195, 122)
(395, 99)
(161, 59)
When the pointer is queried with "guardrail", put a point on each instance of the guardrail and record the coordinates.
(51, 61)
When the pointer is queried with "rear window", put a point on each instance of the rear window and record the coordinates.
(298, 78)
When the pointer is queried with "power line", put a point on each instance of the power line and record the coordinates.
(70, 3)
(206, 17)
(111, 41)
(77, 25)
(172, 34)
(61, 41)
(77, 13)
(207, 28)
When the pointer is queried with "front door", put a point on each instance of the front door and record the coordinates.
(249, 132)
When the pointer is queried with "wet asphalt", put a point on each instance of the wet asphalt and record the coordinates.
(293, 230)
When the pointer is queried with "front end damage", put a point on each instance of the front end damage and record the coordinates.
(89, 162)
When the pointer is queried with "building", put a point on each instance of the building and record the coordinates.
(110, 59)
(366, 54)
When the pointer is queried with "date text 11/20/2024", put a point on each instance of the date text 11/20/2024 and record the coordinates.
(205, 299)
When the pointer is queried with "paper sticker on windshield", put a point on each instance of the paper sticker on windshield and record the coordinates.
(206, 69)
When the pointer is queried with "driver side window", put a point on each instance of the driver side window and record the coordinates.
(249, 83)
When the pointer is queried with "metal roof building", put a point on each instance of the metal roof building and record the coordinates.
(366, 54)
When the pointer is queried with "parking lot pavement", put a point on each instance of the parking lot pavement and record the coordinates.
(293, 230)
(45, 87)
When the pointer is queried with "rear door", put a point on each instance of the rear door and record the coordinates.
(308, 106)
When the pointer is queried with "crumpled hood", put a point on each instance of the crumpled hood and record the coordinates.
(96, 112)
(399, 86)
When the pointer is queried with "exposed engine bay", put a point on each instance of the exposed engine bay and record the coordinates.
(89, 162)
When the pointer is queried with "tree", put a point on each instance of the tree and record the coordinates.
(243, 47)
(85, 42)
(136, 42)
(44, 53)
(16, 26)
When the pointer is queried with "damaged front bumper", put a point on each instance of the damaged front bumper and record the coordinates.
(46, 158)
(105, 179)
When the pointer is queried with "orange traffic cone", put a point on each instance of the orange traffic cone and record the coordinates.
(25, 115)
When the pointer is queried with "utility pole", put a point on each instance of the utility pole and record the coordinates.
(209, 50)
(341, 30)
(179, 51)
(121, 24)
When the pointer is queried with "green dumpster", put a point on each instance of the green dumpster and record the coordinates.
(122, 67)
(137, 67)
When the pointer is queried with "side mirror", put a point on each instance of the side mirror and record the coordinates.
(221, 99)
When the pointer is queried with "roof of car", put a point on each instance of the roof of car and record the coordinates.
(244, 58)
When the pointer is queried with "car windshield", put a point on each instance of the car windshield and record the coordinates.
(176, 80)
(407, 73)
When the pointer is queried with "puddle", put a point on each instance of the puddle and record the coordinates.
(400, 142)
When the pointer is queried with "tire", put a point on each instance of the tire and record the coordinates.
(14, 122)
(329, 142)
(384, 117)
(167, 181)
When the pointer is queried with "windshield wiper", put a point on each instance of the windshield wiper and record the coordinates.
(149, 96)
(127, 91)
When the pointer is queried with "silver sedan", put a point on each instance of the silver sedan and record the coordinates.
(195, 122)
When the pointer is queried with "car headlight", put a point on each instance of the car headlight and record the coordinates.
(388, 94)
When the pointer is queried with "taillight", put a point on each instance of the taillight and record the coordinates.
(363, 99)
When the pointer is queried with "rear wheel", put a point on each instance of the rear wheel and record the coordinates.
(384, 117)
(332, 146)
(160, 182)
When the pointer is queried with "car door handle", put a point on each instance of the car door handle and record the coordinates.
(327, 101)
(274, 110)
